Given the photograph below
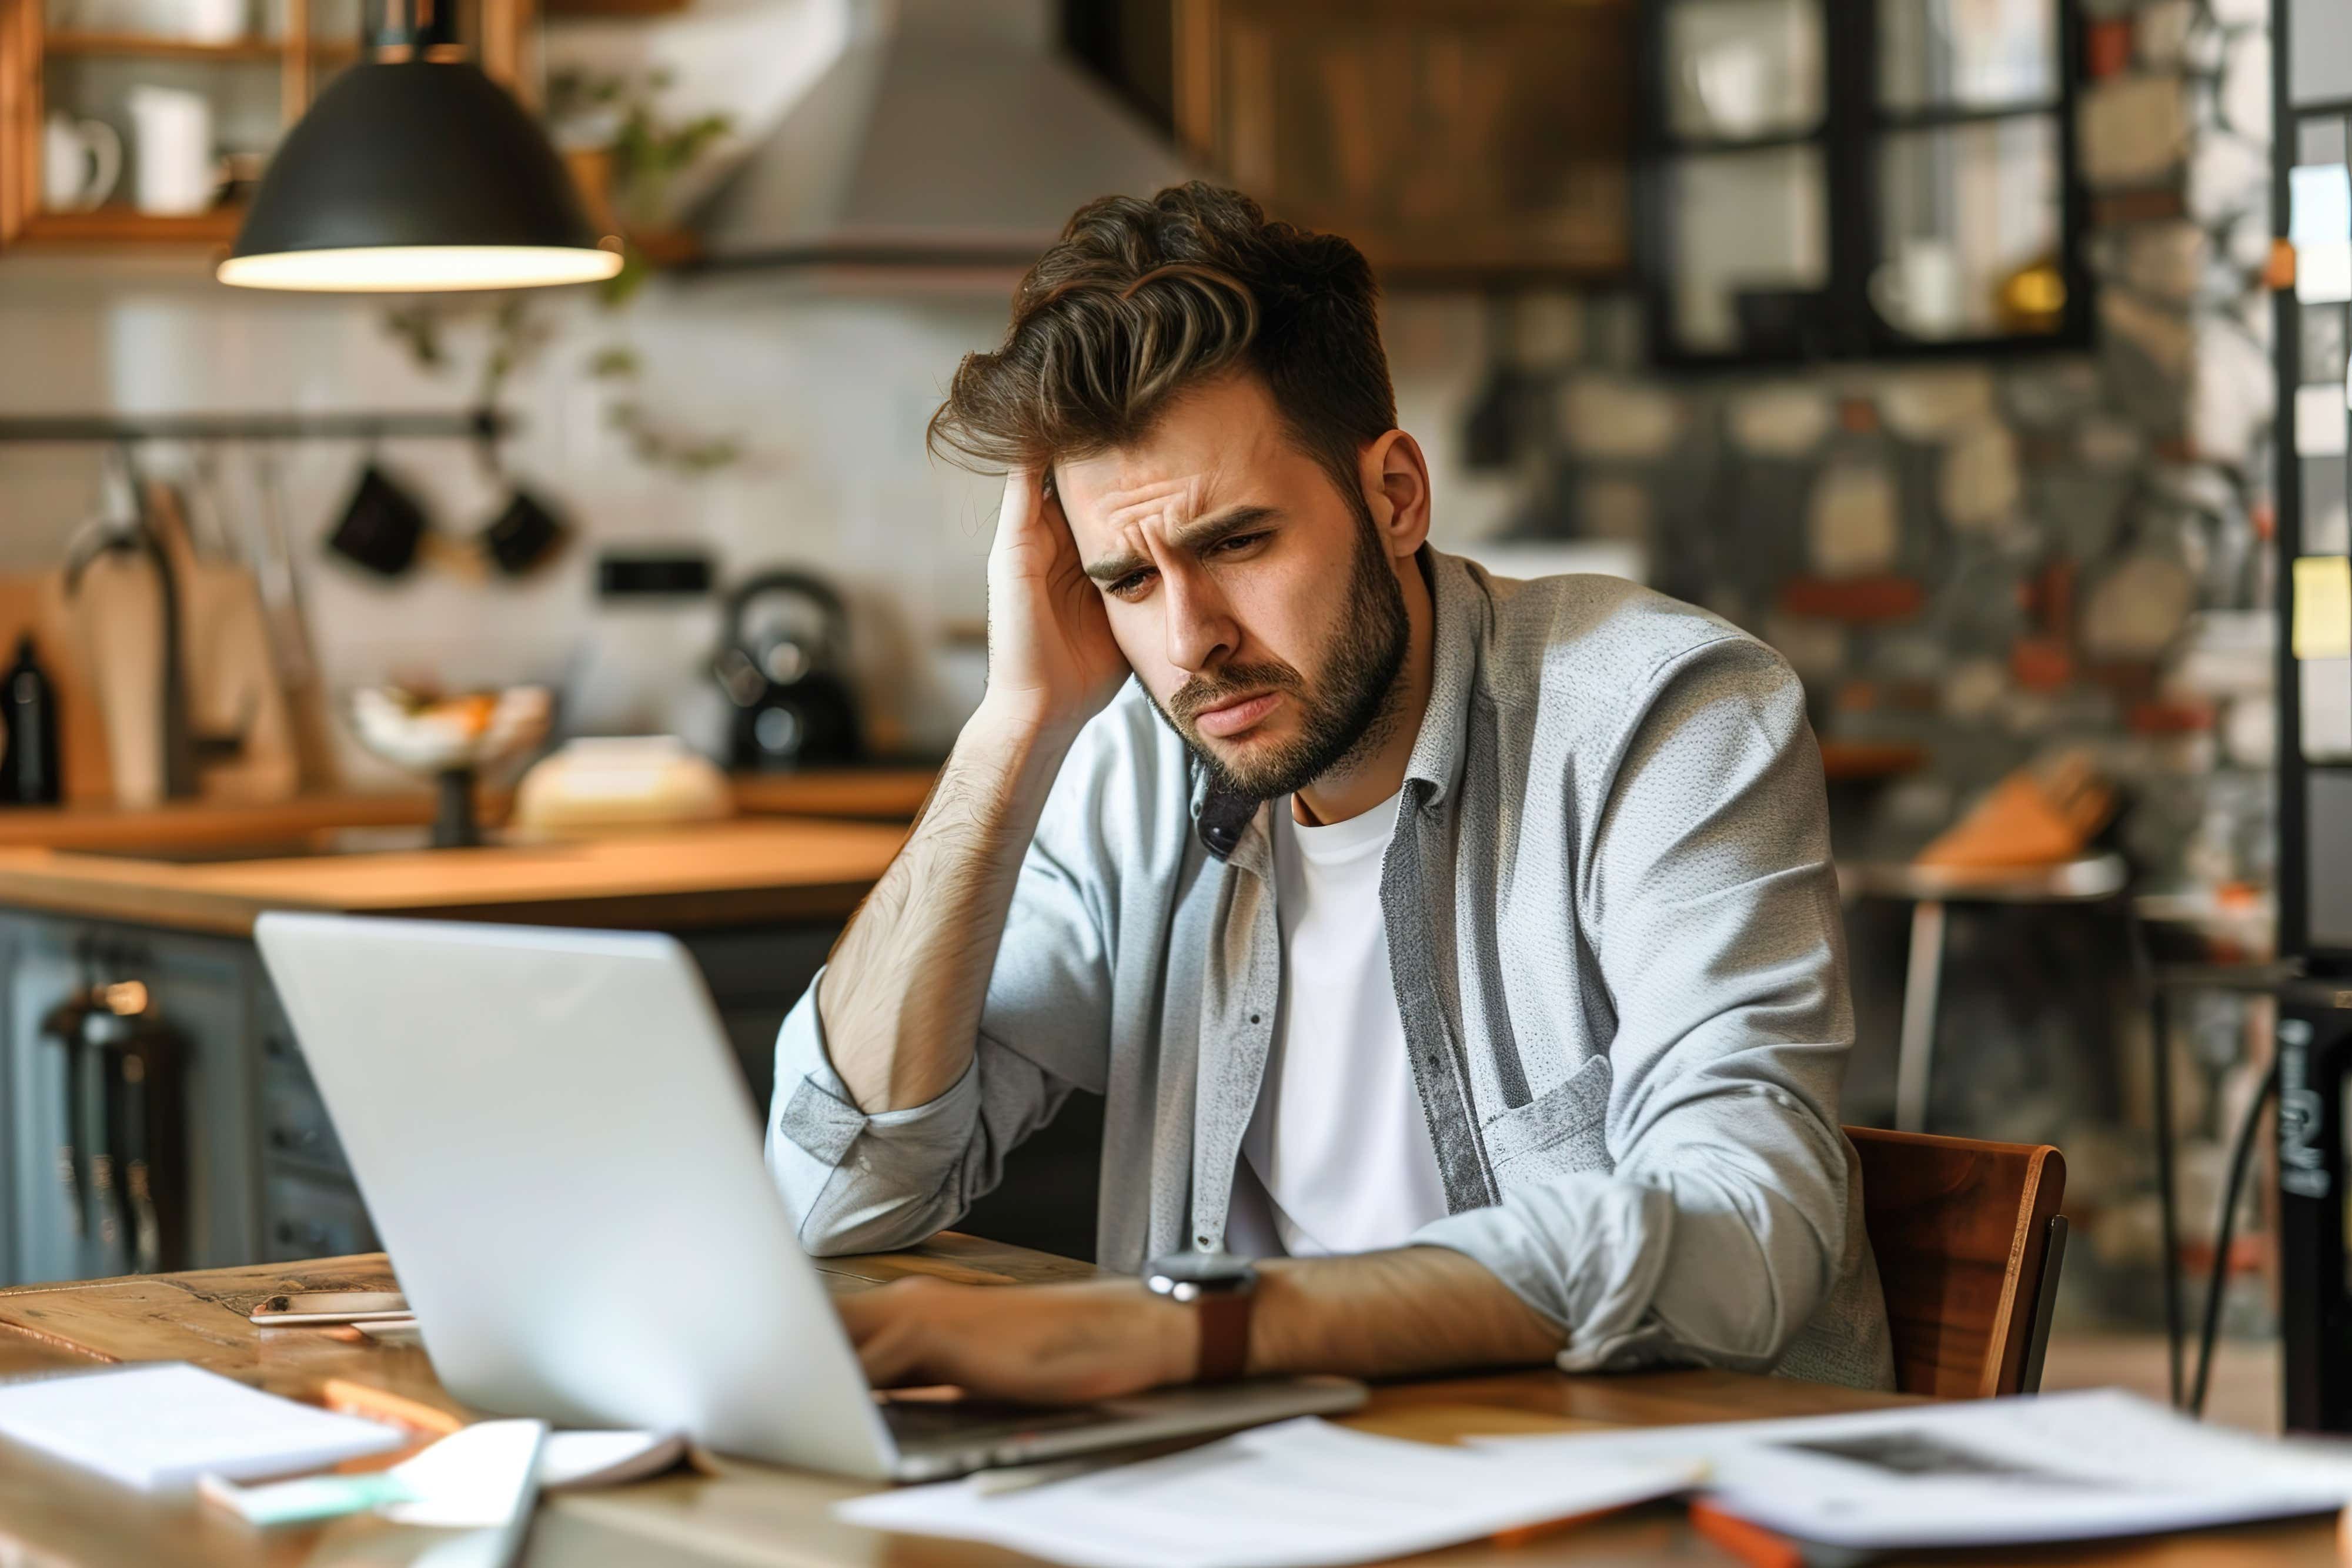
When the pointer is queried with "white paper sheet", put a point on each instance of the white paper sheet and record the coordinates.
(2319, 420)
(2320, 204)
(2323, 272)
(1298, 1494)
(160, 1427)
(1994, 1473)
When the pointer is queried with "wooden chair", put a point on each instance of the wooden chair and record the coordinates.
(1968, 1240)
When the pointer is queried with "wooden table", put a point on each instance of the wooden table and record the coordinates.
(755, 1514)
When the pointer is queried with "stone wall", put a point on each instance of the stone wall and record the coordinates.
(1992, 558)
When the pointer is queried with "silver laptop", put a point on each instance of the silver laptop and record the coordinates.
(554, 1143)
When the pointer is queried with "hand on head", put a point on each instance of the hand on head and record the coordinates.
(1052, 661)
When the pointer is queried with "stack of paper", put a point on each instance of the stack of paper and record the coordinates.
(1300, 1493)
(160, 1427)
(1994, 1473)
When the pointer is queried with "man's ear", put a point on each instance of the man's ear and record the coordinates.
(1395, 476)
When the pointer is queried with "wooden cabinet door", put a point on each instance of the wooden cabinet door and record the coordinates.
(1447, 138)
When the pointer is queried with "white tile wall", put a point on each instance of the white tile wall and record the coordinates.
(828, 392)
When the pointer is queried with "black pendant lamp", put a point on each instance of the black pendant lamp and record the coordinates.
(414, 172)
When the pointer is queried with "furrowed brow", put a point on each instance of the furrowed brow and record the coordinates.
(1206, 533)
(1113, 568)
(1211, 531)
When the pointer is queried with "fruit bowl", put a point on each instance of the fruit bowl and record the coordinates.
(451, 740)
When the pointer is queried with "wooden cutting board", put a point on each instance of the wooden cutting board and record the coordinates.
(35, 602)
(232, 680)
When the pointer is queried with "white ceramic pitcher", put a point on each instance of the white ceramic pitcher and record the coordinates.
(81, 161)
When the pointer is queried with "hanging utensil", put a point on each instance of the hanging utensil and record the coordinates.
(146, 1123)
(63, 1028)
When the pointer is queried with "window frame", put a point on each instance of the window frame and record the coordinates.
(1851, 137)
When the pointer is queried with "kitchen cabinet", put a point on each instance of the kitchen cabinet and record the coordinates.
(266, 1178)
(209, 988)
(757, 902)
(254, 71)
(1452, 139)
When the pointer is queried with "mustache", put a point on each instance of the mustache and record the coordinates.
(1201, 693)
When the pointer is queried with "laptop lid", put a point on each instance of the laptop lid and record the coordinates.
(556, 1147)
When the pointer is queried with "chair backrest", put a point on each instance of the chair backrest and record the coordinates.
(1962, 1233)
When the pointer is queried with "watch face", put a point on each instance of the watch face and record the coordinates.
(1185, 1275)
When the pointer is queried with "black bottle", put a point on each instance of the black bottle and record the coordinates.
(28, 713)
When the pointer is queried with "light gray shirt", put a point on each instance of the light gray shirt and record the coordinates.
(1614, 933)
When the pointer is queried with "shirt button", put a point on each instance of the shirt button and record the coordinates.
(1253, 1018)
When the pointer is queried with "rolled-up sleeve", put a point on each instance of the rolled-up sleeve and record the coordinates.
(1708, 901)
(860, 1183)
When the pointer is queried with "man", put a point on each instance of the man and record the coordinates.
(1465, 950)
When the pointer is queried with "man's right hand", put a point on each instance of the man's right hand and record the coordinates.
(1052, 661)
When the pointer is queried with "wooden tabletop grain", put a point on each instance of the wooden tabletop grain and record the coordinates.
(735, 1513)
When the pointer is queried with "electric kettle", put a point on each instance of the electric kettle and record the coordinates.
(792, 707)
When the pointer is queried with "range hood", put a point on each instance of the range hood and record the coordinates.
(948, 136)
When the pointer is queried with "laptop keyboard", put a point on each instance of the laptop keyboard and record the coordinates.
(916, 1421)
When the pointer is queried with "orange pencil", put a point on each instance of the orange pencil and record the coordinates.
(347, 1398)
(1760, 1548)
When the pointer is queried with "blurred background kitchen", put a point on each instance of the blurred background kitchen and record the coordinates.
(1938, 342)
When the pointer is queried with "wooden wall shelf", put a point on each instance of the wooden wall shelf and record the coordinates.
(157, 47)
(304, 55)
(115, 224)
(608, 8)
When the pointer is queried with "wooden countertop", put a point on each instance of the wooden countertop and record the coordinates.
(877, 794)
(749, 1514)
(745, 871)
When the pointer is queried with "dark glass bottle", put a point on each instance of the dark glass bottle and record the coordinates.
(29, 770)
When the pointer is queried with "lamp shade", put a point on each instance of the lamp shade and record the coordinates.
(415, 175)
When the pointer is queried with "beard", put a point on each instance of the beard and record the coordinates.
(1348, 711)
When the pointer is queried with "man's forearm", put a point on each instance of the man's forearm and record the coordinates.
(901, 997)
(1391, 1314)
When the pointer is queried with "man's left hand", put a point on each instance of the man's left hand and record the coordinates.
(1045, 1344)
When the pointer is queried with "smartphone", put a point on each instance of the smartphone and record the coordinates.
(307, 1308)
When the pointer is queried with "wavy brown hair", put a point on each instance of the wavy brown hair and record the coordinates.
(1139, 301)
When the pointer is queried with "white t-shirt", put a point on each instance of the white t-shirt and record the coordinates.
(1337, 1156)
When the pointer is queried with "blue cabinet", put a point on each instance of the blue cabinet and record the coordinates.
(266, 1180)
(206, 987)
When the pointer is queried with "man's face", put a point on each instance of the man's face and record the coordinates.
(1257, 603)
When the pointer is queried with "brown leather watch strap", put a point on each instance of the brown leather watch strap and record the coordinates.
(1224, 1334)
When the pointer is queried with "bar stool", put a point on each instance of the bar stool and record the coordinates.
(1931, 890)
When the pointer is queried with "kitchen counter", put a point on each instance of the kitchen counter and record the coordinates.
(747, 872)
(757, 902)
(890, 794)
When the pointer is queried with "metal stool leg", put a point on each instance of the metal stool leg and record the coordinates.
(2151, 986)
(1923, 984)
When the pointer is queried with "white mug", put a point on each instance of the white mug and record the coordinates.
(81, 161)
(1919, 290)
(176, 169)
(1733, 81)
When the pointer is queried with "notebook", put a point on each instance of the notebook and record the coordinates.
(159, 1426)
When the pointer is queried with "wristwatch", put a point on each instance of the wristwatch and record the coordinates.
(1221, 1288)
